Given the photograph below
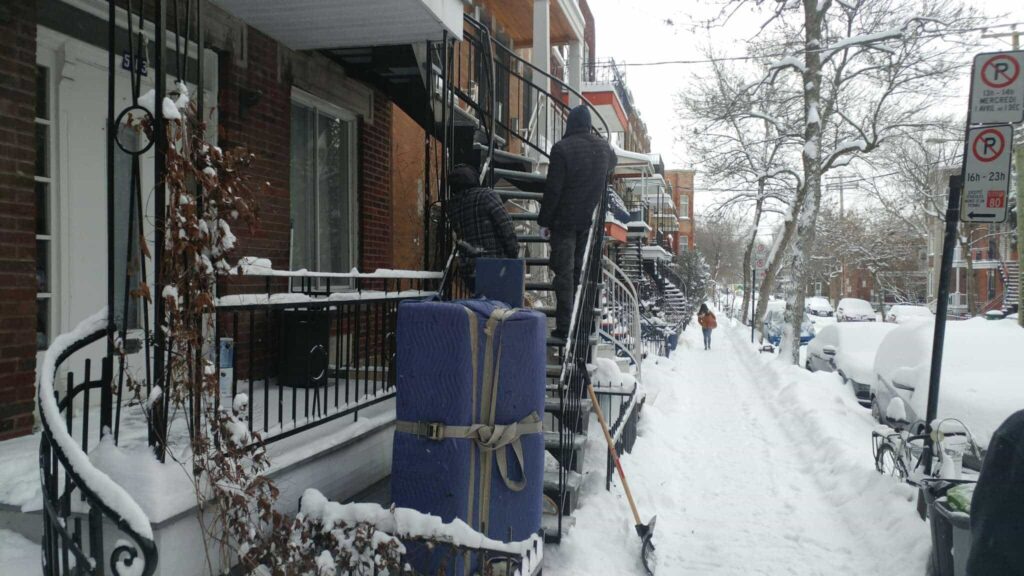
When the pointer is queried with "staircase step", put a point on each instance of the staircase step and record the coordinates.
(520, 216)
(573, 481)
(549, 523)
(520, 176)
(554, 370)
(552, 405)
(560, 342)
(551, 441)
(540, 286)
(516, 194)
(507, 156)
(536, 239)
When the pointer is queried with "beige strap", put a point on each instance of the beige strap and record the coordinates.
(489, 438)
(474, 351)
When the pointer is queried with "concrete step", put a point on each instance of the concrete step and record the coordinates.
(523, 216)
(540, 286)
(536, 239)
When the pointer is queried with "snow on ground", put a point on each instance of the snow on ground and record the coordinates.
(19, 555)
(752, 467)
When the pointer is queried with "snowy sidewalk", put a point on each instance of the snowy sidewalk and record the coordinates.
(745, 477)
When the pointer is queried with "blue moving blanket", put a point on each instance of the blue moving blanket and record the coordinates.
(445, 447)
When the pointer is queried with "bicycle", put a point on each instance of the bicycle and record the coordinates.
(899, 452)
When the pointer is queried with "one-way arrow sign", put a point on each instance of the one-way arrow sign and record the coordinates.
(987, 174)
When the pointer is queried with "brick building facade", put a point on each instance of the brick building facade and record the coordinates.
(18, 220)
(681, 183)
(257, 79)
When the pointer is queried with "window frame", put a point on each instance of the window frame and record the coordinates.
(50, 180)
(321, 106)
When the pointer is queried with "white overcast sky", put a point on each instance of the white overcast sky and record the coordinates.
(636, 31)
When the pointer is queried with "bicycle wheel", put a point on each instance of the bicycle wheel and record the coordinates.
(888, 464)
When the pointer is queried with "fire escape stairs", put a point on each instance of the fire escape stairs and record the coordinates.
(1010, 271)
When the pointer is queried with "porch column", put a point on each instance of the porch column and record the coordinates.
(542, 61)
(575, 71)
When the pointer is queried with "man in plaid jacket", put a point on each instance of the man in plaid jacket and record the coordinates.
(479, 217)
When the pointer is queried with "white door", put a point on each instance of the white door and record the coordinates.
(78, 267)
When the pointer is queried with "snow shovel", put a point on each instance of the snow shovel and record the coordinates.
(645, 531)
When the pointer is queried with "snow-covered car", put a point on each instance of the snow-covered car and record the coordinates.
(775, 323)
(854, 310)
(849, 350)
(900, 313)
(982, 368)
(819, 306)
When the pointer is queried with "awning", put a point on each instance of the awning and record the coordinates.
(321, 24)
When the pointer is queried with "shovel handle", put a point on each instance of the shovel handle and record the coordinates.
(613, 451)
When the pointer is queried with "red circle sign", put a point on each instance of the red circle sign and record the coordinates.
(988, 145)
(1000, 71)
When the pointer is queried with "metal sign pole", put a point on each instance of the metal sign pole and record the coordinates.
(941, 310)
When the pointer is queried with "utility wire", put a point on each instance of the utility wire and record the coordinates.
(785, 54)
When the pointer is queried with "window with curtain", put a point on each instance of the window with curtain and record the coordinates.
(323, 192)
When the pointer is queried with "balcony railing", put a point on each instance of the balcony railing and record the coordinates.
(312, 355)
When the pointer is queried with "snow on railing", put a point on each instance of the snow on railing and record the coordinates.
(254, 266)
(91, 478)
(408, 523)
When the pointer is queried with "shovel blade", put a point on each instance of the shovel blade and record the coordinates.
(647, 552)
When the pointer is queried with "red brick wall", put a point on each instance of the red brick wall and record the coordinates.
(375, 187)
(17, 217)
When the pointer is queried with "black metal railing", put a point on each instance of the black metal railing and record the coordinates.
(312, 355)
(80, 512)
(625, 406)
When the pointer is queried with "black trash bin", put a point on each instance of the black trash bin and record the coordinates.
(951, 530)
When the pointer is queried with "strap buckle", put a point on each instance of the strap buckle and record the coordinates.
(435, 431)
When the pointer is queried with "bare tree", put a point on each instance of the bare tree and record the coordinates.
(741, 140)
(867, 70)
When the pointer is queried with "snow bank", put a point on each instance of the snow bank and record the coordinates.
(834, 432)
(19, 555)
(112, 494)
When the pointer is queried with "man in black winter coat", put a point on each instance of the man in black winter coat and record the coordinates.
(479, 218)
(577, 177)
(997, 507)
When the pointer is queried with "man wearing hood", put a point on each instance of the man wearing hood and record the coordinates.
(577, 177)
(997, 507)
(479, 218)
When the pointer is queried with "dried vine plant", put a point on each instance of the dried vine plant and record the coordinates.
(208, 190)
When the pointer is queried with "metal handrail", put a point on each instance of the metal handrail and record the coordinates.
(66, 467)
(617, 283)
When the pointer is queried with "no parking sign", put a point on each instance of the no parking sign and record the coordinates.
(986, 185)
(997, 88)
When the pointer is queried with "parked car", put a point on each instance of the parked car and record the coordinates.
(855, 310)
(982, 367)
(775, 323)
(900, 313)
(819, 306)
(849, 350)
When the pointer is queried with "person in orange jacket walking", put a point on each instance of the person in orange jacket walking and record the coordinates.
(708, 322)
